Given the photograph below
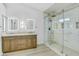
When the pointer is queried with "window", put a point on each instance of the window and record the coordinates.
(30, 24)
(12, 24)
(21, 25)
(27, 25)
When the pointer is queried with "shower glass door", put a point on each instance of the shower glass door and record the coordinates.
(55, 33)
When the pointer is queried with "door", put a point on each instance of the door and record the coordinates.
(54, 32)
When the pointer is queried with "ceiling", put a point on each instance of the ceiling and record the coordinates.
(59, 7)
(39, 6)
(52, 8)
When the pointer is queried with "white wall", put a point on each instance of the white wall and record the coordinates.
(21, 11)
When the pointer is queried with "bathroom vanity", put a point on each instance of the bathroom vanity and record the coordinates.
(18, 34)
(18, 42)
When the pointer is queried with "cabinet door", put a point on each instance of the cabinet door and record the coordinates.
(31, 41)
(28, 43)
(21, 44)
(13, 44)
(34, 41)
(6, 45)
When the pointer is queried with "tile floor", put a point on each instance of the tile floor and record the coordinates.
(41, 50)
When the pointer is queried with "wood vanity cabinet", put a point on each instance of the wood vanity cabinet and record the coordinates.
(14, 43)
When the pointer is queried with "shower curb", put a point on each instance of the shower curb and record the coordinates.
(60, 54)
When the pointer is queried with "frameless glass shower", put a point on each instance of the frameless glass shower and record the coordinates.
(71, 32)
(63, 32)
